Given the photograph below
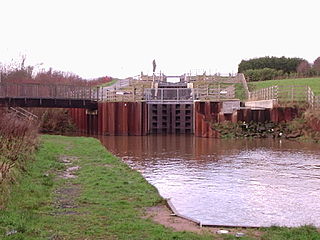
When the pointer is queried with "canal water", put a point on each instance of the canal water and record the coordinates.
(229, 182)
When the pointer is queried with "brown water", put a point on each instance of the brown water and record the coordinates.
(229, 182)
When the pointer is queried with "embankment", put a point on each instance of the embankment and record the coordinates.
(18, 141)
(75, 189)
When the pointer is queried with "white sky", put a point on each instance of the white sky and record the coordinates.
(120, 38)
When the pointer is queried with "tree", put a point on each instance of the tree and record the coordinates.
(287, 65)
(303, 68)
(316, 65)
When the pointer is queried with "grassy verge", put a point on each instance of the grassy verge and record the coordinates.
(113, 81)
(18, 140)
(314, 83)
(105, 201)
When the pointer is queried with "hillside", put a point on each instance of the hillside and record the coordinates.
(314, 83)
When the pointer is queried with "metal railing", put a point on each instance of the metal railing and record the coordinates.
(24, 113)
(216, 93)
(216, 78)
(16, 90)
(189, 94)
(169, 94)
(51, 91)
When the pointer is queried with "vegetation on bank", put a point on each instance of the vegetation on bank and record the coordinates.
(18, 141)
(106, 200)
(267, 68)
(313, 83)
(107, 84)
(54, 120)
(305, 127)
(287, 65)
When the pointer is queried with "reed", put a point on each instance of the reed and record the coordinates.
(18, 140)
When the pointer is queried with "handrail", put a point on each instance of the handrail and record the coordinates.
(55, 91)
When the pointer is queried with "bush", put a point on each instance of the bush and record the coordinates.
(55, 121)
(18, 139)
(263, 74)
(287, 65)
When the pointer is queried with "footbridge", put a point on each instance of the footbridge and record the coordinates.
(148, 105)
(49, 95)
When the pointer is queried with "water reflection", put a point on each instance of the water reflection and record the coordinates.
(229, 182)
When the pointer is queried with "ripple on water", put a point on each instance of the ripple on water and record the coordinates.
(223, 182)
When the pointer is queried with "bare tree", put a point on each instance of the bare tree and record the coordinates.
(316, 65)
(303, 68)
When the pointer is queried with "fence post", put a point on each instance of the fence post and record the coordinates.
(134, 93)
(161, 89)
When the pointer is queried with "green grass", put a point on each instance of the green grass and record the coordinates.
(109, 206)
(314, 83)
(240, 92)
(302, 233)
(113, 81)
(109, 203)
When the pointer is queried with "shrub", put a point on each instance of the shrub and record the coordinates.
(18, 139)
(263, 74)
(287, 65)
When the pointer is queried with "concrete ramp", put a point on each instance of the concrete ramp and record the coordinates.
(262, 104)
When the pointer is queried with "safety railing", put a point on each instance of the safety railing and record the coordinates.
(16, 90)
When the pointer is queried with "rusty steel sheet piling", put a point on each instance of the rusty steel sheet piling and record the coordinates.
(138, 118)
(208, 113)
(122, 118)
(112, 118)
(205, 114)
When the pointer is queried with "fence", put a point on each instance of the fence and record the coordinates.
(16, 90)
(13, 90)
(216, 93)
(316, 103)
(169, 94)
(286, 94)
(215, 78)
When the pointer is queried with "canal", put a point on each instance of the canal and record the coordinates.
(260, 182)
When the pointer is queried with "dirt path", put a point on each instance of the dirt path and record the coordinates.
(163, 215)
(65, 195)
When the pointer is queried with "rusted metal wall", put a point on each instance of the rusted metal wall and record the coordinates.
(113, 118)
(122, 118)
(79, 118)
(207, 113)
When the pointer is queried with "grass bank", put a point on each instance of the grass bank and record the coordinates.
(108, 84)
(104, 201)
(18, 141)
(75, 189)
(314, 83)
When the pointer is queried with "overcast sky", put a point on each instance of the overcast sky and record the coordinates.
(120, 38)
